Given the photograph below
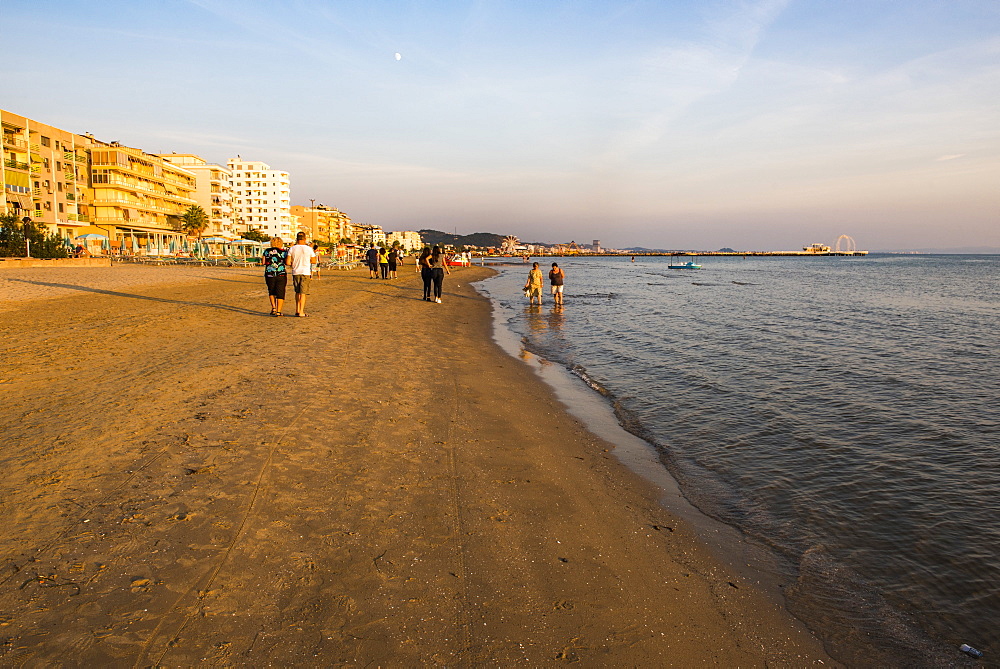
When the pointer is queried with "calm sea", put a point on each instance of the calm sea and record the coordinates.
(843, 412)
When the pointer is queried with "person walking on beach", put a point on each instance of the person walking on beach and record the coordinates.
(393, 261)
(275, 275)
(315, 261)
(556, 277)
(426, 274)
(383, 262)
(300, 261)
(371, 256)
(533, 286)
(439, 265)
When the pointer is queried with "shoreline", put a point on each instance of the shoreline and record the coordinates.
(754, 561)
(452, 512)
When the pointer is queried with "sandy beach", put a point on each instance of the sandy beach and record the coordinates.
(189, 481)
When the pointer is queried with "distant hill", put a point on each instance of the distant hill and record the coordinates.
(433, 237)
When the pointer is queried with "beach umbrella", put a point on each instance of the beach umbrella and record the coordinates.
(105, 244)
(149, 245)
(173, 245)
(135, 245)
(92, 235)
(159, 245)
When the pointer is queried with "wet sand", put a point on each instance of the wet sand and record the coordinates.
(188, 480)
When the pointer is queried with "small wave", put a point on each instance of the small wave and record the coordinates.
(856, 620)
(608, 296)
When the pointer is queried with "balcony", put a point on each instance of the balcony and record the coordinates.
(15, 141)
(71, 197)
(70, 176)
(15, 165)
(37, 192)
(37, 213)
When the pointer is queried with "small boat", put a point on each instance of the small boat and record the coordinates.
(690, 264)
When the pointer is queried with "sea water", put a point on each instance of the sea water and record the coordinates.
(842, 411)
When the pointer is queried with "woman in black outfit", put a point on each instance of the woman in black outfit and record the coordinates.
(425, 272)
(439, 265)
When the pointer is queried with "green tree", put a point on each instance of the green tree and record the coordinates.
(194, 221)
(16, 236)
(255, 235)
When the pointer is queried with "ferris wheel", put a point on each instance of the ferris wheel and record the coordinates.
(849, 245)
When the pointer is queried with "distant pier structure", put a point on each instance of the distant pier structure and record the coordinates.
(844, 246)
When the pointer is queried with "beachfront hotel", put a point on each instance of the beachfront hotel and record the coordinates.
(322, 223)
(367, 235)
(44, 174)
(261, 199)
(408, 239)
(137, 197)
(77, 185)
(213, 192)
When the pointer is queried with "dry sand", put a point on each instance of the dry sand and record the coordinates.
(190, 481)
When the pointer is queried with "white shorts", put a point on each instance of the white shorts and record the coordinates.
(556, 289)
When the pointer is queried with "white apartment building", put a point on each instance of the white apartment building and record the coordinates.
(408, 240)
(367, 235)
(213, 192)
(261, 199)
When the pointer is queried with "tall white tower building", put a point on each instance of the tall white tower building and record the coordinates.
(261, 199)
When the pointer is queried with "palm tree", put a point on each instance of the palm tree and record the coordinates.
(194, 221)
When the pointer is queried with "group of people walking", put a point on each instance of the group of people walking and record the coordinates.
(300, 260)
(432, 264)
(383, 261)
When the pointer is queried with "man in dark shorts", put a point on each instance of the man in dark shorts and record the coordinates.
(300, 262)
(557, 277)
(275, 275)
(371, 255)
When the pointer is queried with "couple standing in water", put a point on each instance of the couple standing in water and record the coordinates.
(533, 287)
(433, 264)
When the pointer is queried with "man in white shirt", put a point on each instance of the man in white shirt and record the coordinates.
(299, 261)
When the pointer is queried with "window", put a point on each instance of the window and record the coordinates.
(45, 161)
(46, 141)
(57, 145)
(60, 207)
(59, 186)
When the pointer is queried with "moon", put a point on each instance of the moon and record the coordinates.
(398, 57)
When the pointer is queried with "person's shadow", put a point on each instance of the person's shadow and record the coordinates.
(164, 300)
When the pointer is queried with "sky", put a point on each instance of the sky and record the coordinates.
(751, 124)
